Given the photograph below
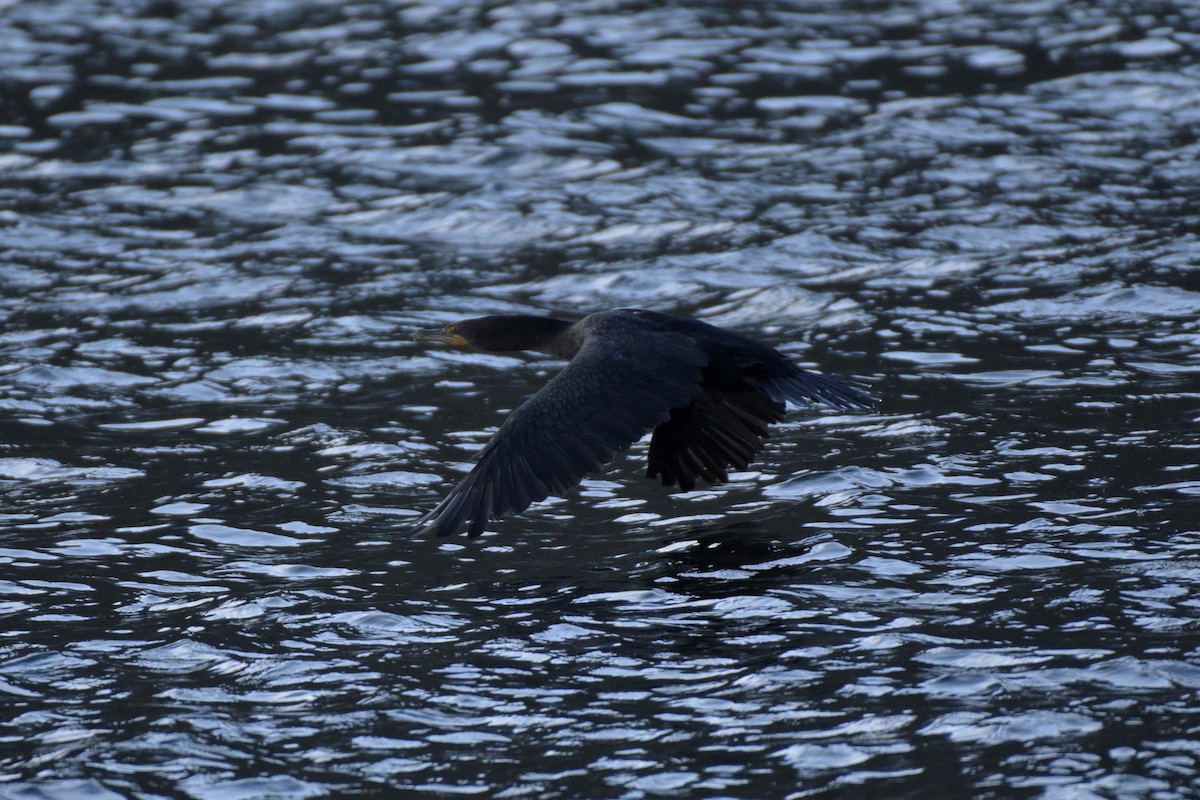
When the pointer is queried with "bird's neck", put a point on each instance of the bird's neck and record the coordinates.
(509, 333)
(554, 337)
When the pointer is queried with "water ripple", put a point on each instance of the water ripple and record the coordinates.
(221, 223)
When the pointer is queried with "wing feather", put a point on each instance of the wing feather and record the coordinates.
(717, 430)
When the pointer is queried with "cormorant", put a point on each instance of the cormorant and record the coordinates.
(707, 393)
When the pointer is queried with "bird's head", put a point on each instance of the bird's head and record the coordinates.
(446, 335)
(497, 334)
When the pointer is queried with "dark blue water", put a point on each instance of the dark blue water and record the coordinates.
(221, 222)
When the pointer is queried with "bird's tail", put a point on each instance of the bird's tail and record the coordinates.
(803, 387)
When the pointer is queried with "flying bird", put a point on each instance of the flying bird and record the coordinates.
(708, 394)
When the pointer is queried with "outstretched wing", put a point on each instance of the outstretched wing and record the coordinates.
(717, 430)
(613, 391)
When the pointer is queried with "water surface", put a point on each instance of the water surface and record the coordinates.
(220, 223)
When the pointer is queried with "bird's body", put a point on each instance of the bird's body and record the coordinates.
(707, 393)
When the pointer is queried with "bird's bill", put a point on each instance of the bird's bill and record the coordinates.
(446, 335)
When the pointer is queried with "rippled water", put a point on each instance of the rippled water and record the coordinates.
(220, 222)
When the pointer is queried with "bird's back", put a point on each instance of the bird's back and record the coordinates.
(725, 349)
